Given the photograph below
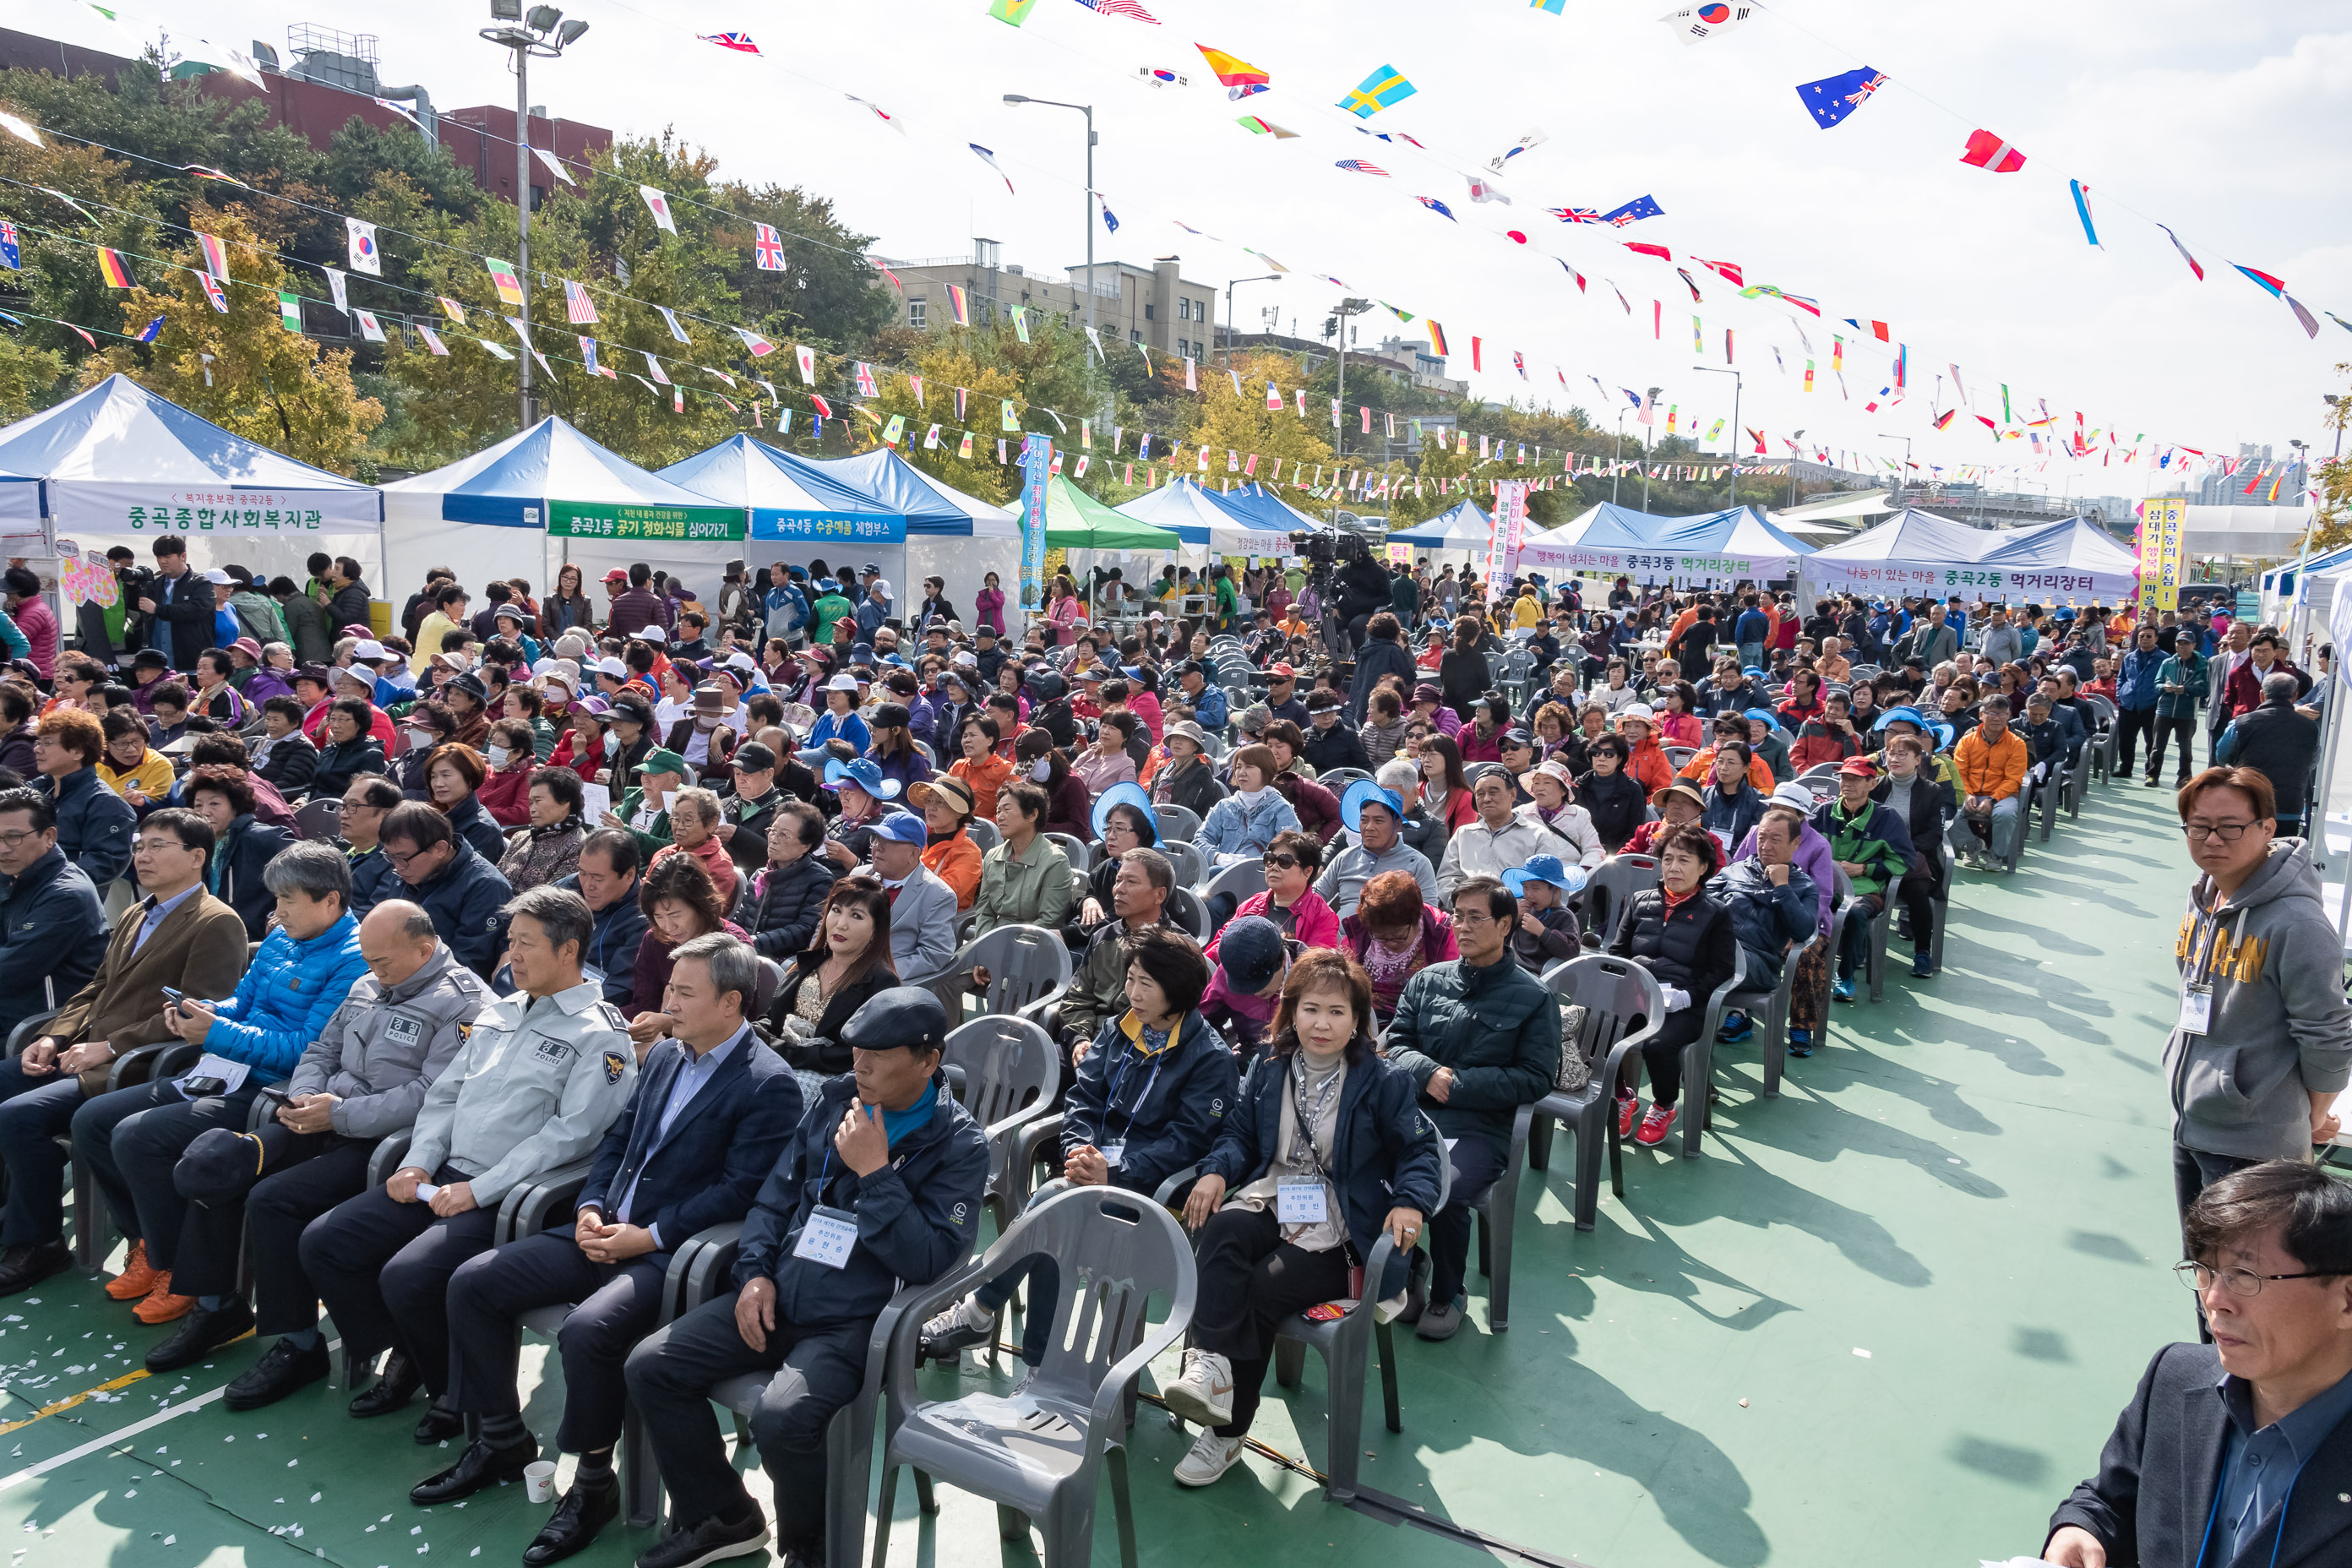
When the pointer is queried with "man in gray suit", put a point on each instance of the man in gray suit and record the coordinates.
(922, 908)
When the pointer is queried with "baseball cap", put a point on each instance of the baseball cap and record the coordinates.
(1250, 952)
(1861, 767)
(616, 575)
(662, 760)
(614, 668)
(904, 828)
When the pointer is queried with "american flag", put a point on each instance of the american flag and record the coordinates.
(768, 247)
(1120, 8)
(1359, 166)
(741, 42)
(578, 307)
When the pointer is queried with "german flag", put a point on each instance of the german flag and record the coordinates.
(118, 276)
(1436, 339)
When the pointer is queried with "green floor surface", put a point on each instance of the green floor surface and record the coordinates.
(1899, 1304)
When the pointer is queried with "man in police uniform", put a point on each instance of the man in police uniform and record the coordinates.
(362, 1080)
(713, 1111)
(541, 1075)
(881, 1185)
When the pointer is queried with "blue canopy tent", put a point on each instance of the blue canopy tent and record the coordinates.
(119, 462)
(1274, 514)
(1210, 523)
(548, 496)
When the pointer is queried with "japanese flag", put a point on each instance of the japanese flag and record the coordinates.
(658, 204)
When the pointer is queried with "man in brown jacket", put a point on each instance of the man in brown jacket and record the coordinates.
(178, 936)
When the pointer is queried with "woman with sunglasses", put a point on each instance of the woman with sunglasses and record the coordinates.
(1290, 900)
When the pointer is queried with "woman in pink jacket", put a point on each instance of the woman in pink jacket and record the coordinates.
(1290, 900)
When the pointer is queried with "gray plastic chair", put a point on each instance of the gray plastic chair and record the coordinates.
(1186, 907)
(1006, 1072)
(983, 833)
(705, 1263)
(1037, 1454)
(1679, 757)
(1178, 824)
(1242, 880)
(1028, 969)
(1613, 992)
(1338, 780)
(1185, 859)
(1076, 851)
(1610, 889)
(319, 819)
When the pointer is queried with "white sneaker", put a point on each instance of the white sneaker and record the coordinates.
(1210, 1457)
(1203, 1395)
(961, 1326)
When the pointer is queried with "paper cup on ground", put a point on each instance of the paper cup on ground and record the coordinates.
(539, 1480)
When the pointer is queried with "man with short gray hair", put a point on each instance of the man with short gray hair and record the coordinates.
(1139, 895)
(708, 1120)
(2277, 742)
(534, 1085)
(360, 1081)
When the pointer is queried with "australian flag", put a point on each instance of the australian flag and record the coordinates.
(9, 256)
(1832, 98)
(1633, 211)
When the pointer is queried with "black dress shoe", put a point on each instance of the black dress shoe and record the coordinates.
(199, 1333)
(283, 1368)
(398, 1384)
(709, 1541)
(478, 1467)
(439, 1423)
(586, 1508)
(21, 1267)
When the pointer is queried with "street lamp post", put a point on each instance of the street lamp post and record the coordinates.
(1649, 407)
(1616, 456)
(1088, 199)
(1737, 383)
(1792, 468)
(1264, 277)
(1904, 480)
(543, 33)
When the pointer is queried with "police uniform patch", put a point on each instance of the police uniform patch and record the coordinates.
(614, 1066)
(402, 1028)
(551, 1050)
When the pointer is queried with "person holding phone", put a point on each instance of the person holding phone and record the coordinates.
(130, 1140)
(178, 935)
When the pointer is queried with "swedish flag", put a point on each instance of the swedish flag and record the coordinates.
(1384, 88)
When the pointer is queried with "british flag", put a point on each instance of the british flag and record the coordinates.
(740, 42)
(768, 247)
(1359, 166)
(578, 307)
(1575, 215)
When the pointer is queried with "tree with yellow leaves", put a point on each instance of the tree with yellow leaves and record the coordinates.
(945, 363)
(240, 368)
(1243, 423)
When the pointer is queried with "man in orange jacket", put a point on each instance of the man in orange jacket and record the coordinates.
(1992, 763)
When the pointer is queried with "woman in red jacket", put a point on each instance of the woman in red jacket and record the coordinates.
(505, 791)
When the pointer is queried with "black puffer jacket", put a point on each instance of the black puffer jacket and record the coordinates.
(1617, 804)
(1693, 947)
(781, 904)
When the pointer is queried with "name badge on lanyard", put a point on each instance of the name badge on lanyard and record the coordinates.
(2196, 1009)
(827, 1237)
(1301, 1203)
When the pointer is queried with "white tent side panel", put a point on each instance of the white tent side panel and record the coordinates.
(417, 538)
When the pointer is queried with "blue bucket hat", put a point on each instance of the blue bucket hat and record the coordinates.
(1126, 794)
(827, 585)
(1544, 869)
(863, 772)
(1363, 792)
(1936, 727)
(1769, 719)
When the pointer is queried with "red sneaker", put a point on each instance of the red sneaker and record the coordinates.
(1654, 1126)
(1626, 1106)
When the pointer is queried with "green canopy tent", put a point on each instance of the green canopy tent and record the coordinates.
(1075, 521)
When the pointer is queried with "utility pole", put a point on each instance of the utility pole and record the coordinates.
(546, 33)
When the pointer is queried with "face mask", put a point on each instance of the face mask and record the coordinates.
(498, 756)
(422, 738)
(1041, 769)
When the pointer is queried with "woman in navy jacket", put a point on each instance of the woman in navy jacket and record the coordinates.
(1371, 1166)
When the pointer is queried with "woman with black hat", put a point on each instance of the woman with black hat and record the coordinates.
(430, 726)
(468, 701)
(893, 747)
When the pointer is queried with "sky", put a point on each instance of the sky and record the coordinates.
(2222, 132)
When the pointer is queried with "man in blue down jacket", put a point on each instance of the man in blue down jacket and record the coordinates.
(1482, 1037)
(132, 1140)
(712, 1109)
(880, 1186)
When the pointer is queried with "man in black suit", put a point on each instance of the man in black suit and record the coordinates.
(2237, 1453)
(709, 1119)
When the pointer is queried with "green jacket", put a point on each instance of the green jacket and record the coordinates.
(1867, 838)
(656, 836)
(543, 739)
(1496, 1027)
(1036, 889)
(828, 608)
(2190, 676)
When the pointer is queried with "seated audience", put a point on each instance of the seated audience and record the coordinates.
(1685, 939)
(549, 846)
(680, 903)
(462, 893)
(94, 823)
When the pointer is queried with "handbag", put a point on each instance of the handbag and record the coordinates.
(1575, 1069)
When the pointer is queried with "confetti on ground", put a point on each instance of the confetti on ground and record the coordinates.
(1863, 1353)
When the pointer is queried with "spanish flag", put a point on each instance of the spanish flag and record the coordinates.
(117, 275)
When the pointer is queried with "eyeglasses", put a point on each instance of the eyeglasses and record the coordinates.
(2236, 1281)
(10, 840)
(1282, 862)
(2227, 832)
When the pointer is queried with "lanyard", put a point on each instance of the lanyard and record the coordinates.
(1110, 1096)
(1307, 1120)
(2278, 1531)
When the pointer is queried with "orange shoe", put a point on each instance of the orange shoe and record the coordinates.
(138, 1277)
(161, 1306)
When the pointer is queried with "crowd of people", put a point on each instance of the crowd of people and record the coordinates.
(527, 875)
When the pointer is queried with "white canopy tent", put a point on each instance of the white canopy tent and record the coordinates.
(119, 465)
(1917, 552)
(2251, 532)
(1832, 518)
(1206, 522)
(1719, 548)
